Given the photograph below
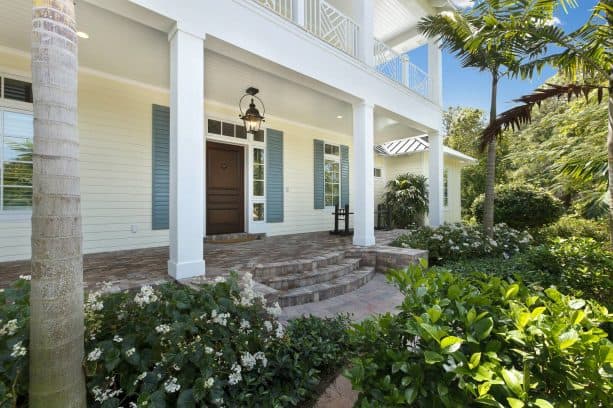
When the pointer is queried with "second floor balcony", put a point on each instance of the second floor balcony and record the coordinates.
(329, 23)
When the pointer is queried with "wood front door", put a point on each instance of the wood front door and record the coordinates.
(225, 188)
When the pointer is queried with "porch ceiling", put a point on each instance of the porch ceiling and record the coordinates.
(122, 47)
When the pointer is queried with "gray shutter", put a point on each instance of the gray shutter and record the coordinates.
(344, 175)
(318, 174)
(161, 166)
(274, 176)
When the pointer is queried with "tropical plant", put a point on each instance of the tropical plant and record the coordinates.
(521, 206)
(56, 323)
(473, 339)
(457, 241)
(572, 226)
(407, 199)
(473, 35)
(585, 57)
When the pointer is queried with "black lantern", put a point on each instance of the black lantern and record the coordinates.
(251, 117)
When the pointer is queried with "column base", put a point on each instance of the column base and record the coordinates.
(365, 241)
(185, 270)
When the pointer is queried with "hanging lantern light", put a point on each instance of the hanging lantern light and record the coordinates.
(252, 117)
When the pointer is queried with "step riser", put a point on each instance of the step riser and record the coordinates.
(297, 282)
(269, 271)
(299, 299)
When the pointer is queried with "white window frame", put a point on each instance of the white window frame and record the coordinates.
(337, 158)
(10, 105)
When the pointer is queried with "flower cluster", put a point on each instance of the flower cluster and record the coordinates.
(145, 296)
(457, 241)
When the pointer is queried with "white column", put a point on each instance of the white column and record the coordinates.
(363, 178)
(435, 71)
(298, 12)
(186, 155)
(436, 213)
(366, 40)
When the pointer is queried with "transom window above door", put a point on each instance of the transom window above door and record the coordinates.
(228, 129)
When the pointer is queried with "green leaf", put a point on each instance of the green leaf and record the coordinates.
(451, 344)
(567, 339)
(474, 360)
(576, 304)
(541, 403)
(432, 357)
(523, 319)
(515, 403)
(578, 316)
(483, 328)
(484, 388)
(454, 292)
(186, 399)
(514, 380)
(435, 313)
(410, 394)
(511, 291)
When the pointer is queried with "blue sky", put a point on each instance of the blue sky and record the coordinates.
(469, 87)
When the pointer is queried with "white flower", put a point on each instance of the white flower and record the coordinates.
(18, 350)
(117, 339)
(262, 357)
(236, 376)
(437, 237)
(274, 310)
(171, 385)
(279, 331)
(145, 296)
(10, 328)
(94, 355)
(25, 277)
(93, 302)
(492, 242)
(245, 325)
(209, 382)
(162, 328)
(221, 318)
(208, 350)
(219, 279)
(130, 352)
(268, 325)
(132, 405)
(248, 361)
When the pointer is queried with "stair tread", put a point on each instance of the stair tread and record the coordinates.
(341, 280)
(317, 272)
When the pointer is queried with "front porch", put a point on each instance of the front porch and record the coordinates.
(134, 268)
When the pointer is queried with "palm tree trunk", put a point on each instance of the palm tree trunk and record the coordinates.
(490, 178)
(610, 156)
(56, 300)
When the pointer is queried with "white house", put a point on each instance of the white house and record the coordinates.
(165, 159)
(411, 155)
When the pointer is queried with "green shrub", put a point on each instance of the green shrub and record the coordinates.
(468, 340)
(175, 346)
(457, 241)
(407, 199)
(569, 226)
(521, 207)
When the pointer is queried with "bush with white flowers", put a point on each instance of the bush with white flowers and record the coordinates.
(219, 345)
(458, 241)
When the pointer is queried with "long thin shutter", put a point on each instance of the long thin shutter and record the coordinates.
(161, 167)
(344, 175)
(318, 174)
(274, 176)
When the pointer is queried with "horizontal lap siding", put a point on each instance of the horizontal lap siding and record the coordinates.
(115, 128)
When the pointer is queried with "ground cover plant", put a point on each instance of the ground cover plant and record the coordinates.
(481, 340)
(459, 241)
(172, 345)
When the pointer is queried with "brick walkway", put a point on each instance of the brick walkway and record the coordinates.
(133, 268)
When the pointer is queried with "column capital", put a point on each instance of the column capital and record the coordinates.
(181, 27)
(365, 104)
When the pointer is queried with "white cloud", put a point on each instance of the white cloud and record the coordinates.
(463, 3)
(553, 21)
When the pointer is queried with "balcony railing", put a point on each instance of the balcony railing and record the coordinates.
(398, 68)
(281, 7)
(332, 26)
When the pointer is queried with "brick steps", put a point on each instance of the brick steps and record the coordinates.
(313, 293)
(312, 277)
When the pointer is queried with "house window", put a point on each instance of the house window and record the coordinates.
(445, 188)
(258, 172)
(17, 90)
(16, 135)
(258, 211)
(377, 172)
(332, 175)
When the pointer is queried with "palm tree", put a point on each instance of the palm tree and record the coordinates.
(56, 301)
(473, 37)
(586, 58)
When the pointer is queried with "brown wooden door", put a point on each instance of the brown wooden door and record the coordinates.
(225, 192)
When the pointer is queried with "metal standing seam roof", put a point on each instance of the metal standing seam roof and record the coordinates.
(416, 144)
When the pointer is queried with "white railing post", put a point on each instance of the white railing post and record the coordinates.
(366, 39)
(435, 72)
(405, 70)
(298, 12)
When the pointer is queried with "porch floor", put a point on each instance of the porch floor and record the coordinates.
(134, 268)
